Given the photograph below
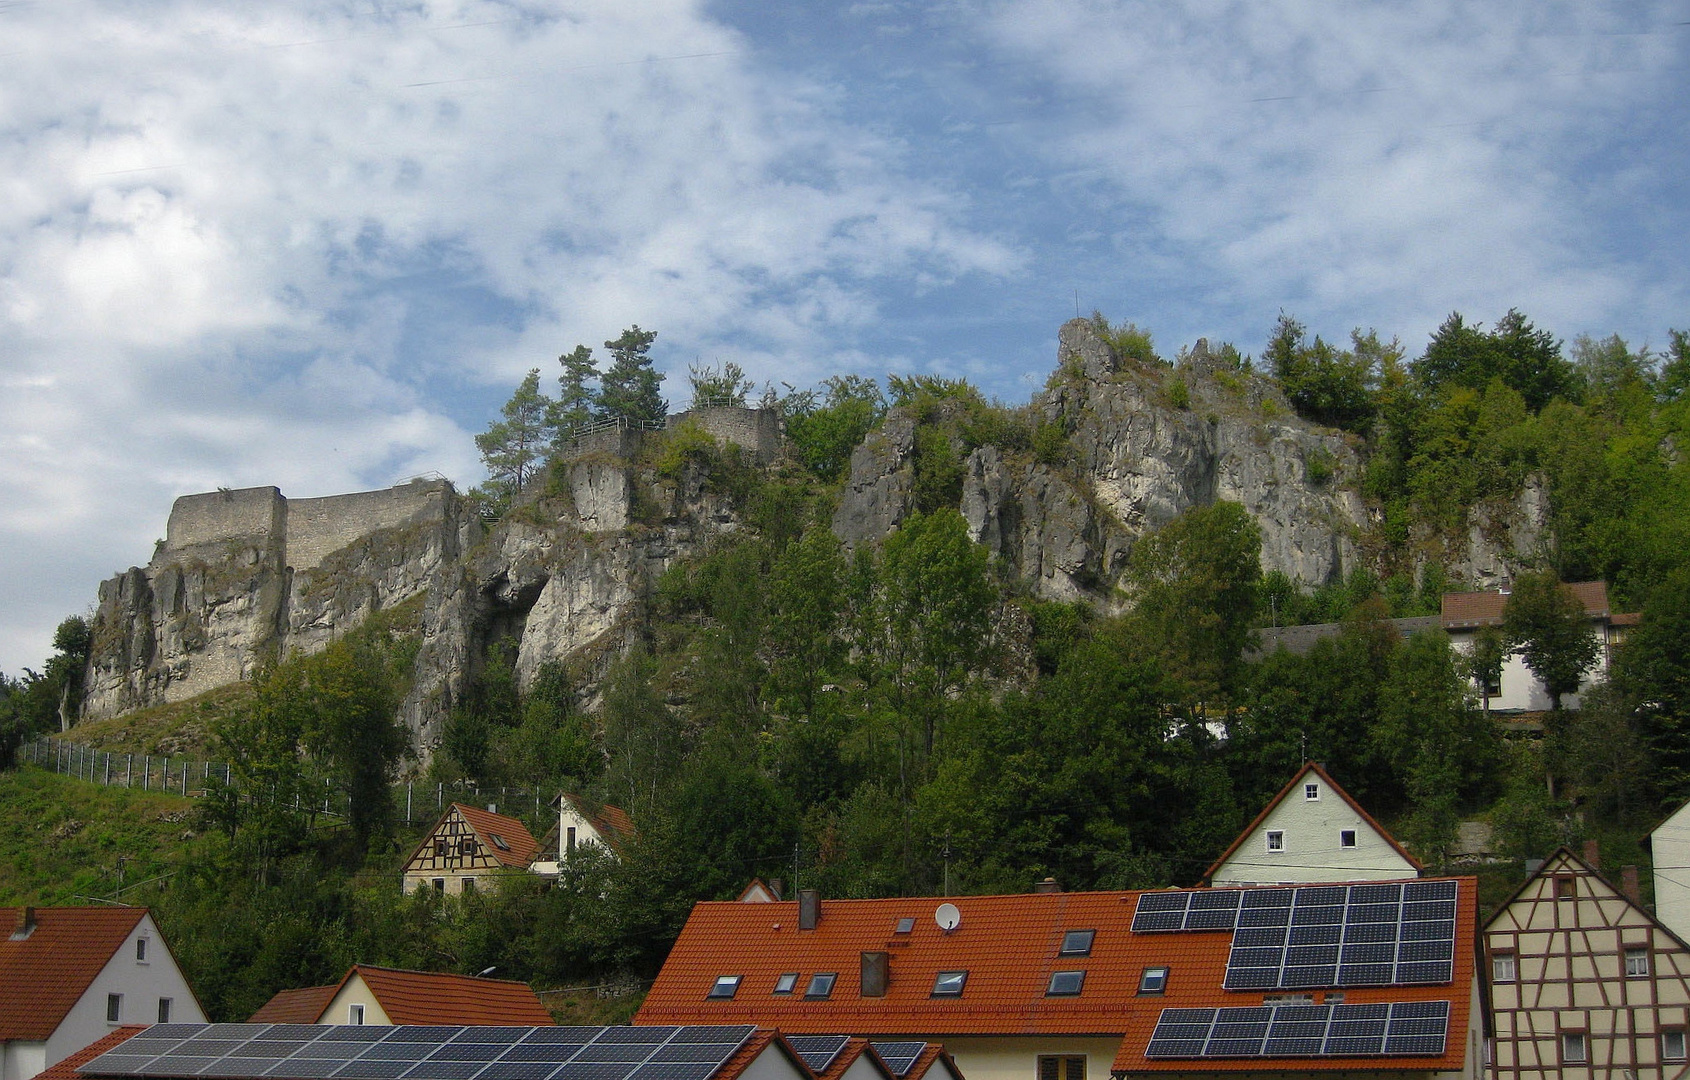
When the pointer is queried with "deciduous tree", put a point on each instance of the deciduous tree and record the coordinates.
(1548, 626)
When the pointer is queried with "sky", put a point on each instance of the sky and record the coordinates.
(316, 245)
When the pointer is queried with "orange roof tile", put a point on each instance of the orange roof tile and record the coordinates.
(66, 1069)
(303, 1006)
(424, 997)
(43, 975)
(1485, 608)
(519, 846)
(924, 1062)
(1334, 786)
(760, 1040)
(1008, 945)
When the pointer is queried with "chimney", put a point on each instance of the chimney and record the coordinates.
(777, 886)
(809, 908)
(1628, 885)
(492, 808)
(875, 967)
(1593, 854)
(26, 924)
(1048, 885)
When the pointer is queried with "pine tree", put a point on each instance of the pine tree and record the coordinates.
(630, 386)
(576, 399)
(514, 448)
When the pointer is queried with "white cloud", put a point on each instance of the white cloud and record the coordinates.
(278, 244)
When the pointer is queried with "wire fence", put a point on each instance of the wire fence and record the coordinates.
(194, 778)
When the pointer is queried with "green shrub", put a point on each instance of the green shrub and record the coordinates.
(685, 443)
(1179, 394)
(1050, 444)
(1320, 465)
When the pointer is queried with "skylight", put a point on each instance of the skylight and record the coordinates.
(905, 925)
(786, 982)
(949, 983)
(725, 986)
(821, 984)
(1153, 981)
(1065, 983)
(1077, 942)
(498, 841)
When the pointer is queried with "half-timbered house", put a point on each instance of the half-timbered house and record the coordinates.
(466, 847)
(1584, 982)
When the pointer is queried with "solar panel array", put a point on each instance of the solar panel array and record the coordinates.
(900, 1057)
(1385, 934)
(1413, 1028)
(312, 1052)
(818, 1051)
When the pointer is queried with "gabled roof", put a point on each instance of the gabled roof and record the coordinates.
(611, 822)
(43, 975)
(1563, 859)
(66, 1069)
(514, 845)
(416, 997)
(757, 892)
(1293, 785)
(1469, 609)
(303, 1006)
(1009, 946)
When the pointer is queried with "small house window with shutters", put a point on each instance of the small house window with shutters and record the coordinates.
(114, 1008)
(1053, 1067)
(1502, 968)
(1637, 963)
(164, 1010)
(469, 846)
(1275, 840)
(1672, 1044)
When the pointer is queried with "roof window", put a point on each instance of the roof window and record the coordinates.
(498, 841)
(1066, 983)
(949, 983)
(1077, 942)
(905, 925)
(821, 984)
(725, 986)
(1154, 980)
(786, 982)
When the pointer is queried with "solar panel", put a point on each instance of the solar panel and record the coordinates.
(1416, 1029)
(1342, 935)
(445, 1070)
(420, 1034)
(674, 1071)
(818, 1051)
(900, 1057)
(723, 1033)
(299, 1068)
(235, 1067)
(594, 1071)
(519, 1070)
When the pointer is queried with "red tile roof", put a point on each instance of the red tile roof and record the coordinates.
(1008, 945)
(66, 1069)
(1485, 608)
(304, 1006)
(43, 975)
(423, 997)
(848, 1055)
(520, 847)
(1295, 782)
(760, 1040)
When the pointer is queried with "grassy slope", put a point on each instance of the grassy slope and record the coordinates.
(179, 729)
(63, 838)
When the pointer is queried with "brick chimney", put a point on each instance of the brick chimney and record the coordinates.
(25, 925)
(1593, 854)
(1048, 885)
(1629, 886)
(777, 887)
(874, 973)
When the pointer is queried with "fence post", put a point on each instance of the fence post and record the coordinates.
(184, 779)
(146, 771)
(107, 781)
(407, 802)
(440, 795)
(128, 769)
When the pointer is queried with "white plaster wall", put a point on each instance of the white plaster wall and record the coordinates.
(355, 992)
(1521, 690)
(23, 1060)
(772, 1064)
(1017, 1058)
(1670, 847)
(569, 818)
(1312, 850)
(141, 985)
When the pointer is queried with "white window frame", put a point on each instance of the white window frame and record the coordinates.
(1311, 792)
(141, 949)
(1347, 838)
(114, 1008)
(1276, 839)
(164, 1010)
(1504, 968)
(355, 1015)
(1636, 958)
(1575, 1047)
(1672, 1044)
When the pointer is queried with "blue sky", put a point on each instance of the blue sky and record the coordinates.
(316, 244)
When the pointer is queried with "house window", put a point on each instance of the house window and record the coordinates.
(1346, 838)
(1637, 963)
(114, 1008)
(1077, 942)
(1065, 984)
(1565, 887)
(821, 984)
(1672, 1044)
(785, 983)
(1311, 792)
(164, 1010)
(725, 986)
(468, 886)
(355, 1014)
(469, 846)
(949, 983)
(440, 847)
(1276, 840)
(1502, 967)
(1062, 1068)
(140, 950)
(905, 925)
(1493, 684)
(569, 839)
(439, 884)
(1574, 1048)
(1154, 980)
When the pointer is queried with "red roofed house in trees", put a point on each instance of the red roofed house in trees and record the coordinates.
(1312, 831)
(1518, 690)
(579, 824)
(71, 975)
(465, 847)
(1374, 979)
(386, 996)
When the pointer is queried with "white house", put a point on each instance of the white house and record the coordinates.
(578, 825)
(1669, 848)
(72, 975)
(1518, 690)
(1312, 831)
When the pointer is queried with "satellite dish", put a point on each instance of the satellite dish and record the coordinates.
(948, 917)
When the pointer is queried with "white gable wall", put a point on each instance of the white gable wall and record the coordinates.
(1311, 831)
(772, 1064)
(142, 984)
(1669, 846)
(355, 992)
(569, 819)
